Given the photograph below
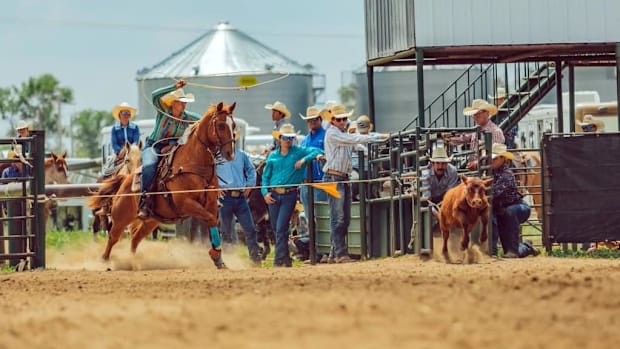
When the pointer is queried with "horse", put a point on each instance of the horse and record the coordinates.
(462, 207)
(128, 160)
(528, 173)
(260, 212)
(56, 169)
(188, 171)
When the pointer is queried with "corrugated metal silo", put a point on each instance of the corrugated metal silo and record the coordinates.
(226, 59)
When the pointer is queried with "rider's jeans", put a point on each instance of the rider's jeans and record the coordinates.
(149, 166)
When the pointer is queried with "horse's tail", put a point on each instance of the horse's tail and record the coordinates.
(110, 187)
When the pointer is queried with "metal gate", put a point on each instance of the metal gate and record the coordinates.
(22, 222)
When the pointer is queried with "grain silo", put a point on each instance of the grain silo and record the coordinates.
(218, 64)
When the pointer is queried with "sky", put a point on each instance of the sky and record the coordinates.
(95, 47)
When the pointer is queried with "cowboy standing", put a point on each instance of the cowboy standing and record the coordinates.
(234, 176)
(509, 209)
(279, 112)
(284, 171)
(23, 130)
(123, 131)
(481, 111)
(315, 138)
(443, 175)
(170, 123)
(339, 146)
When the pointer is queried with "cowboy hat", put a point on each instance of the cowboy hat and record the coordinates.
(337, 111)
(279, 106)
(352, 127)
(440, 155)
(589, 121)
(364, 124)
(123, 106)
(285, 130)
(500, 149)
(22, 124)
(176, 95)
(499, 93)
(311, 113)
(478, 105)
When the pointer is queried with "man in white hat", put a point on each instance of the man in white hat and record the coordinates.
(23, 131)
(279, 112)
(509, 209)
(315, 138)
(284, 171)
(339, 146)
(170, 123)
(481, 111)
(443, 175)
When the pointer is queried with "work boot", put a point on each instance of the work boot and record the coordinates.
(143, 209)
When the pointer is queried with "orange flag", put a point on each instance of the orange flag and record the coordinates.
(329, 188)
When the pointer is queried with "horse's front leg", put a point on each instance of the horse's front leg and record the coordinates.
(484, 221)
(139, 230)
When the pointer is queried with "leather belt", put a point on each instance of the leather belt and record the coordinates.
(234, 193)
(281, 191)
(337, 173)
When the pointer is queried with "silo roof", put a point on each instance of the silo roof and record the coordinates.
(223, 50)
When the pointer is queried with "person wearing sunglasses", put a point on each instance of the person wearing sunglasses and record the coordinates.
(339, 147)
(283, 173)
(123, 130)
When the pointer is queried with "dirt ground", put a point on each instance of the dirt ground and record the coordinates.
(170, 296)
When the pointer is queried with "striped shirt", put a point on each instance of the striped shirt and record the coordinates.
(472, 138)
(339, 147)
(166, 126)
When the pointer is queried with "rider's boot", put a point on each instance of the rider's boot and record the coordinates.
(143, 209)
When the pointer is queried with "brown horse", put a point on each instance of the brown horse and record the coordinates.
(181, 190)
(56, 169)
(129, 159)
(528, 173)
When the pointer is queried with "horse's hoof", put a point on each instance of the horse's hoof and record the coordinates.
(216, 256)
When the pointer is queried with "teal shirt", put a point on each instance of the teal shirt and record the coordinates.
(280, 169)
(166, 126)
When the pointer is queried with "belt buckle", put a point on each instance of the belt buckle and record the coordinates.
(235, 193)
(280, 190)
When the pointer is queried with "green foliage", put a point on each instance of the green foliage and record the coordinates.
(85, 129)
(61, 239)
(600, 253)
(348, 95)
(8, 103)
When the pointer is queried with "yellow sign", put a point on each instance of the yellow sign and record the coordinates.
(248, 81)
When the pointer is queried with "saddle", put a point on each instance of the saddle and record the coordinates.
(162, 174)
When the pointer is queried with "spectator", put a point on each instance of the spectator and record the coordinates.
(23, 130)
(315, 138)
(284, 171)
(279, 114)
(123, 131)
(481, 111)
(339, 146)
(509, 209)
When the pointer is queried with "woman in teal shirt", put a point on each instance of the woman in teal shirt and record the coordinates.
(284, 171)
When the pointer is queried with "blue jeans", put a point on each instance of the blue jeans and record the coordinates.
(339, 216)
(318, 194)
(505, 226)
(280, 214)
(239, 207)
(149, 166)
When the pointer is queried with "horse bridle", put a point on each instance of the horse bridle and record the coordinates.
(219, 144)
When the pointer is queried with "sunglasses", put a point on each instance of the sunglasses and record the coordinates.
(288, 138)
(125, 113)
(340, 119)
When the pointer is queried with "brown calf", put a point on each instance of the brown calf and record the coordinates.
(462, 207)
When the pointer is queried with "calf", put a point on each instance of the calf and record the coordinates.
(462, 207)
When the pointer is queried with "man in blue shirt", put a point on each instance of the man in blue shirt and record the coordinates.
(234, 177)
(16, 170)
(315, 139)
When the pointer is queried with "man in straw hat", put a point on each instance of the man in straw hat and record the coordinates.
(123, 131)
(481, 111)
(339, 146)
(23, 130)
(16, 169)
(509, 209)
(279, 113)
(170, 123)
(284, 171)
(315, 138)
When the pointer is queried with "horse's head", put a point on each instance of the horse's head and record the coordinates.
(221, 127)
(56, 169)
(132, 154)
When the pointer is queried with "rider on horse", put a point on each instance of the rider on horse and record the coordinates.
(170, 123)
(124, 131)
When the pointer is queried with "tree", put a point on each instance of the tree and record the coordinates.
(348, 95)
(85, 131)
(39, 99)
